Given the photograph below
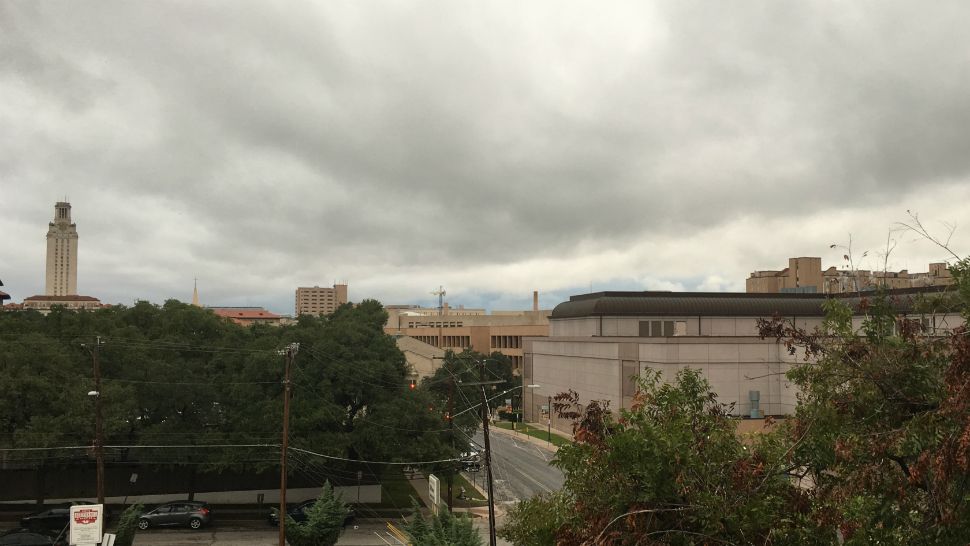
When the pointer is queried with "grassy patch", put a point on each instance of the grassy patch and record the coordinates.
(472, 496)
(540, 433)
(396, 490)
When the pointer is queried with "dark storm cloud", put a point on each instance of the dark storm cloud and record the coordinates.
(349, 136)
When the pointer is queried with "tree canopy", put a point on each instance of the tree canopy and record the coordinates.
(443, 529)
(324, 521)
(176, 374)
(877, 451)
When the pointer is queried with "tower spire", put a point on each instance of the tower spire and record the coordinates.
(195, 292)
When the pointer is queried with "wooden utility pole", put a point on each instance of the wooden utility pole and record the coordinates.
(99, 421)
(488, 463)
(98, 418)
(451, 434)
(290, 354)
(488, 453)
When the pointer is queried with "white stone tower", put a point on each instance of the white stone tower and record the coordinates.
(62, 253)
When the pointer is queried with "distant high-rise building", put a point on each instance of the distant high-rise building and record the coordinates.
(320, 301)
(61, 253)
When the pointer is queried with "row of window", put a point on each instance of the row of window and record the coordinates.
(453, 324)
(454, 342)
(663, 328)
(506, 342)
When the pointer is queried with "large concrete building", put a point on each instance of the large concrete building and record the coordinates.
(61, 253)
(72, 302)
(456, 329)
(423, 359)
(599, 343)
(805, 275)
(314, 300)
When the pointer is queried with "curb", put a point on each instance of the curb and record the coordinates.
(545, 444)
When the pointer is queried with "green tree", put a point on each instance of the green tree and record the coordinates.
(537, 520)
(882, 428)
(128, 525)
(324, 523)
(176, 374)
(670, 470)
(444, 529)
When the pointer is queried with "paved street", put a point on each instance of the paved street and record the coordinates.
(254, 535)
(366, 534)
(521, 468)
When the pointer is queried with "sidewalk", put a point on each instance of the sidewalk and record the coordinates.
(544, 444)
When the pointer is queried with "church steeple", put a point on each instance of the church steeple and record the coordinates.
(195, 293)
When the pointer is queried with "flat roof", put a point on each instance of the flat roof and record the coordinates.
(656, 303)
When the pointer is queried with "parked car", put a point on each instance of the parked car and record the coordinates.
(54, 518)
(471, 461)
(298, 513)
(193, 514)
(27, 537)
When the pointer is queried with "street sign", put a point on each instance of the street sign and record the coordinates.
(87, 523)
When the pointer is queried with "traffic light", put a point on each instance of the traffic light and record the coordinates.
(412, 384)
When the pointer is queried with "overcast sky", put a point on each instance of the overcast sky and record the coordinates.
(494, 148)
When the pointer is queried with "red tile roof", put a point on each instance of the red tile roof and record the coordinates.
(61, 298)
(244, 313)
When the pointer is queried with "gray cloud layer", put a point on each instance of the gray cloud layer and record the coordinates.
(397, 145)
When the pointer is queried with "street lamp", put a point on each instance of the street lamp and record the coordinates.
(533, 386)
(549, 421)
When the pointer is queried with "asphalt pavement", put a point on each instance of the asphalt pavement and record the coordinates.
(366, 534)
(369, 533)
(520, 466)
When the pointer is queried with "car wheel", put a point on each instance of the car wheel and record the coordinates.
(143, 524)
(195, 523)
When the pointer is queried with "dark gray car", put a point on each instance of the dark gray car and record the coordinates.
(193, 514)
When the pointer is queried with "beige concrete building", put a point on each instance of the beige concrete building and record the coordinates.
(599, 343)
(457, 329)
(320, 301)
(423, 359)
(61, 253)
(394, 312)
(73, 302)
(805, 275)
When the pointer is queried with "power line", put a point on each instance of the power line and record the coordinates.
(409, 463)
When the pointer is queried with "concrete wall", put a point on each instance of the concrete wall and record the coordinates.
(600, 369)
(692, 326)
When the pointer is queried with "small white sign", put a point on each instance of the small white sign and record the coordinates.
(87, 523)
(433, 489)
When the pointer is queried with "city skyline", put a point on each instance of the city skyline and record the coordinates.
(493, 150)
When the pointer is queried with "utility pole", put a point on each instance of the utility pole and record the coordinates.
(549, 421)
(451, 433)
(98, 418)
(488, 462)
(290, 354)
(488, 453)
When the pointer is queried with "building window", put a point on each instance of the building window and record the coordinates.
(680, 328)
